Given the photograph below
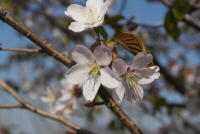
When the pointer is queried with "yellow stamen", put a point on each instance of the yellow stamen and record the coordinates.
(132, 79)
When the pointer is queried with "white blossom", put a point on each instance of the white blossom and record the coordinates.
(87, 17)
(132, 76)
(92, 70)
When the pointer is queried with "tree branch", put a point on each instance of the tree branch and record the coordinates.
(166, 3)
(25, 105)
(185, 19)
(170, 79)
(22, 50)
(50, 50)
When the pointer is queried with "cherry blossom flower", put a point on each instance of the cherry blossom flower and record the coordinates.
(87, 17)
(92, 70)
(70, 93)
(132, 76)
(63, 101)
(61, 109)
(51, 96)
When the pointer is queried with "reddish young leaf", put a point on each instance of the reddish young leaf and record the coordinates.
(71, 132)
(131, 42)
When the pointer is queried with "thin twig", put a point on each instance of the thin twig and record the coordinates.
(50, 50)
(28, 106)
(22, 50)
(194, 128)
(8, 106)
(166, 3)
(148, 26)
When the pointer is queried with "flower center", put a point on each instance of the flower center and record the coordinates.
(52, 97)
(132, 79)
(90, 16)
(94, 69)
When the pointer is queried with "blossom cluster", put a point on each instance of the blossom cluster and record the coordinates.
(97, 67)
(92, 70)
(64, 101)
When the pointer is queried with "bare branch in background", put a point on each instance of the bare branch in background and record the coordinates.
(169, 78)
(166, 3)
(185, 19)
(22, 50)
(50, 50)
(8, 106)
(28, 106)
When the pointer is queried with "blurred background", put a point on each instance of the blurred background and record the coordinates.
(169, 28)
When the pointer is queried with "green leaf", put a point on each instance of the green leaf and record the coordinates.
(171, 25)
(102, 32)
(180, 8)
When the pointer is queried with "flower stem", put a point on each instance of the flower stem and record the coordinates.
(98, 35)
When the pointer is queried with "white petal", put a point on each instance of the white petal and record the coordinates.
(76, 12)
(90, 88)
(149, 74)
(141, 60)
(118, 93)
(81, 55)
(59, 107)
(95, 4)
(109, 78)
(74, 103)
(133, 94)
(77, 73)
(66, 85)
(98, 23)
(65, 96)
(104, 8)
(119, 66)
(67, 113)
(78, 27)
(45, 99)
(103, 55)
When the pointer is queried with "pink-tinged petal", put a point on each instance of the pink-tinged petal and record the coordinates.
(133, 94)
(76, 12)
(66, 85)
(78, 27)
(119, 66)
(149, 74)
(77, 73)
(118, 93)
(104, 8)
(109, 78)
(90, 87)
(103, 55)
(141, 60)
(81, 55)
